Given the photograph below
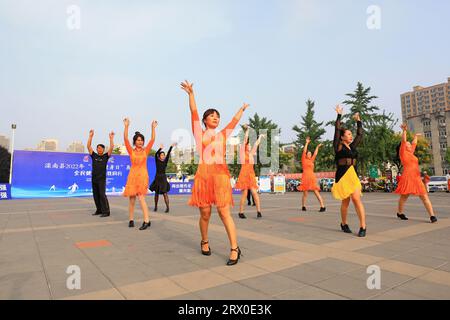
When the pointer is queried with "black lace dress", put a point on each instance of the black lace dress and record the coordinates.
(160, 185)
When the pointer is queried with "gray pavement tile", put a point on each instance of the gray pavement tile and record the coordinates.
(60, 290)
(347, 286)
(421, 260)
(24, 286)
(272, 284)
(426, 289)
(232, 291)
(388, 279)
(309, 293)
(397, 295)
(306, 274)
(334, 265)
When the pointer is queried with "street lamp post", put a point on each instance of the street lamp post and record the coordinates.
(13, 127)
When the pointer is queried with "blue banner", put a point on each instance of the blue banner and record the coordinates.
(57, 174)
(5, 191)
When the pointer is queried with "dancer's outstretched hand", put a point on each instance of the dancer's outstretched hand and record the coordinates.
(188, 87)
(111, 135)
(404, 127)
(357, 117)
(154, 124)
(320, 145)
(339, 109)
(174, 144)
(161, 146)
(91, 133)
(308, 140)
(126, 122)
(245, 106)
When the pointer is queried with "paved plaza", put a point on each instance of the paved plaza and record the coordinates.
(289, 254)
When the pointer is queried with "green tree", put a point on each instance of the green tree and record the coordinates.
(189, 168)
(116, 150)
(260, 125)
(325, 159)
(5, 162)
(377, 146)
(286, 161)
(309, 127)
(360, 101)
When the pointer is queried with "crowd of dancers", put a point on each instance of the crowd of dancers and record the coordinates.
(212, 185)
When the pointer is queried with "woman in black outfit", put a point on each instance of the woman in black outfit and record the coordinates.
(160, 185)
(347, 185)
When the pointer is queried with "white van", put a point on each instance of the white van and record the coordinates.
(438, 183)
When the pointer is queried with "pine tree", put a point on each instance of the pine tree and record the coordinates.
(309, 127)
(5, 161)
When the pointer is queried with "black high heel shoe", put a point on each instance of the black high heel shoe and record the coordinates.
(131, 224)
(323, 209)
(167, 210)
(303, 208)
(242, 216)
(205, 253)
(232, 262)
(433, 219)
(346, 228)
(402, 216)
(259, 215)
(155, 209)
(145, 225)
(362, 232)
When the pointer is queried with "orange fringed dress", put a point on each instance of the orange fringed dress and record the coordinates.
(212, 185)
(309, 181)
(247, 177)
(411, 182)
(137, 181)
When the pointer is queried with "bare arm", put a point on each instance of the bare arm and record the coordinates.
(316, 152)
(89, 142)
(149, 146)
(111, 143)
(233, 123)
(414, 143)
(305, 148)
(126, 123)
(256, 145)
(195, 120)
(404, 132)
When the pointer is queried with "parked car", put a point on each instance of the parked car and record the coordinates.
(437, 183)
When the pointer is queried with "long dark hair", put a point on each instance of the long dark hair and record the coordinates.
(137, 135)
(342, 132)
(208, 113)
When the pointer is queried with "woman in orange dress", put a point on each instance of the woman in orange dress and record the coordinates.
(137, 181)
(247, 178)
(212, 185)
(309, 181)
(411, 182)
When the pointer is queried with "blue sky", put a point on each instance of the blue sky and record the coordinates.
(129, 57)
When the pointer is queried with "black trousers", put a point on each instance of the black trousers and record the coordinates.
(100, 199)
(250, 196)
